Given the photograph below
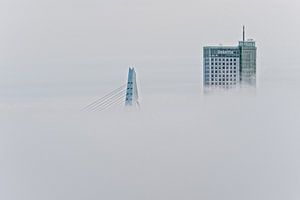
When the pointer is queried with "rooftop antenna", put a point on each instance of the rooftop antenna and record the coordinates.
(243, 33)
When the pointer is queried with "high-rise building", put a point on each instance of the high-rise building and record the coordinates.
(229, 66)
(221, 66)
(248, 60)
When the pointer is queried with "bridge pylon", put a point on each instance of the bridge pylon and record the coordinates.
(132, 95)
(117, 96)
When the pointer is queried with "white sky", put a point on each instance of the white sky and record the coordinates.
(86, 46)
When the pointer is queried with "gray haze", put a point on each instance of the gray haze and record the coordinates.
(58, 56)
(64, 47)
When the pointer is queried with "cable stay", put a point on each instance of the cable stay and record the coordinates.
(108, 101)
(105, 98)
(111, 104)
(121, 93)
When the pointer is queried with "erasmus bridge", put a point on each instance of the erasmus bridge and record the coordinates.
(126, 94)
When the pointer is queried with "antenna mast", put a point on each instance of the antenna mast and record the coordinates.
(243, 33)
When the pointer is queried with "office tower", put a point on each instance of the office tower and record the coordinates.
(221, 66)
(248, 61)
(229, 66)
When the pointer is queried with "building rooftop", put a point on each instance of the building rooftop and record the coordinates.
(220, 47)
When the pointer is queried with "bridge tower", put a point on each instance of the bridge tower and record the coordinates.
(117, 96)
(132, 90)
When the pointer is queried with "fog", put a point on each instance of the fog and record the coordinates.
(232, 145)
(58, 56)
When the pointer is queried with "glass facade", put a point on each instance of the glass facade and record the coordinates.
(248, 62)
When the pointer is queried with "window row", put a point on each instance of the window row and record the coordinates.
(224, 71)
(223, 63)
(220, 79)
(220, 59)
(223, 83)
(212, 67)
(220, 75)
(227, 75)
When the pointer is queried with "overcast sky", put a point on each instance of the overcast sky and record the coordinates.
(81, 47)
